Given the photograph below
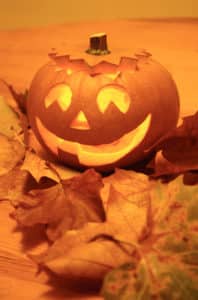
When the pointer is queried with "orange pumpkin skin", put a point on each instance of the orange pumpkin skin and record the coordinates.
(102, 116)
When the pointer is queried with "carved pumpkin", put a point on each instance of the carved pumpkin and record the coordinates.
(104, 115)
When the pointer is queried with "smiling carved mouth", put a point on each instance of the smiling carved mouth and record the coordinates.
(97, 155)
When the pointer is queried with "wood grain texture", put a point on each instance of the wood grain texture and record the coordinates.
(19, 277)
(174, 44)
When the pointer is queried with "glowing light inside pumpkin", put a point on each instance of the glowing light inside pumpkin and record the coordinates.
(96, 155)
(80, 122)
(62, 94)
(115, 95)
(69, 71)
(113, 76)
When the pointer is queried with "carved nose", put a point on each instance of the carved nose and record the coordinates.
(80, 122)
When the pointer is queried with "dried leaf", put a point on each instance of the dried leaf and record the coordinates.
(189, 127)
(130, 184)
(43, 206)
(64, 206)
(13, 121)
(34, 145)
(9, 123)
(151, 279)
(7, 95)
(178, 153)
(175, 206)
(63, 171)
(38, 167)
(11, 153)
(105, 245)
(86, 253)
(89, 261)
(125, 217)
(19, 97)
(149, 225)
(191, 178)
(14, 184)
(167, 267)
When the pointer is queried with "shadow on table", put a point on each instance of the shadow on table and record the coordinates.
(61, 288)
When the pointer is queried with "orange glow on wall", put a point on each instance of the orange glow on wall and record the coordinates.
(32, 13)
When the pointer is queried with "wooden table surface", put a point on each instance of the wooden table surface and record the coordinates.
(174, 43)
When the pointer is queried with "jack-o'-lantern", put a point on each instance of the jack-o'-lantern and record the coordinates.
(104, 115)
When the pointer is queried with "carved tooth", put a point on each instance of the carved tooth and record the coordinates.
(104, 67)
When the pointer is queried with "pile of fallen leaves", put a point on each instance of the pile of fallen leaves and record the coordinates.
(135, 233)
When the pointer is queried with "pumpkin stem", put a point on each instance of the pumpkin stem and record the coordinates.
(98, 44)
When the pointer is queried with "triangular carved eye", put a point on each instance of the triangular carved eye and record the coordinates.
(62, 94)
(116, 95)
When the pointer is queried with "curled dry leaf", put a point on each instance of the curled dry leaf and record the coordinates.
(88, 253)
(64, 206)
(189, 127)
(89, 261)
(178, 155)
(179, 152)
(11, 154)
